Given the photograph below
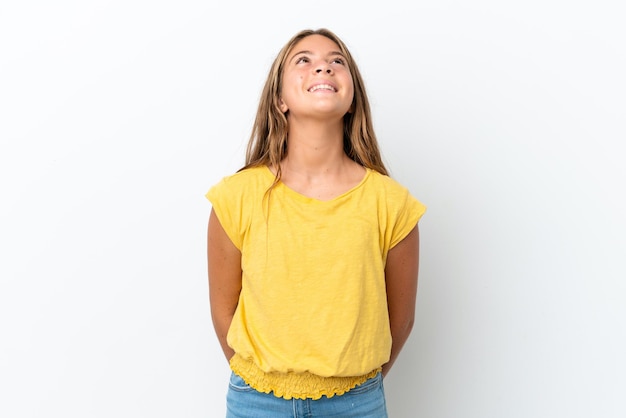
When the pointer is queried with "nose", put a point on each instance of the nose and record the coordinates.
(323, 68)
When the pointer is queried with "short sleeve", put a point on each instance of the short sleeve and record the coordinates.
(227, 204)
(406, 217)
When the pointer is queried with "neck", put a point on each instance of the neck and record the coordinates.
(315, 148)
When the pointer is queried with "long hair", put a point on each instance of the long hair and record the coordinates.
(268, 140)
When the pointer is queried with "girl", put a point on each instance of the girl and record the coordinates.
(312, 248)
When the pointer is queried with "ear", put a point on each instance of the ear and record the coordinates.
(282, 105)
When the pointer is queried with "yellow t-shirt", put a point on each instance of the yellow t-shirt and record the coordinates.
(312, 316)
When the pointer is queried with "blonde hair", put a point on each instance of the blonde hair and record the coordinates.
(268, 140)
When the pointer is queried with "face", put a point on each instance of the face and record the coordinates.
(316, 80)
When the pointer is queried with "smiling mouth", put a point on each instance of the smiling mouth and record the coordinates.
(326, 87)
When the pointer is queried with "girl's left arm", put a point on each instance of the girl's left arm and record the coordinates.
(401, 281)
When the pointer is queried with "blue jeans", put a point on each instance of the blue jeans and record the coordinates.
(364, 401)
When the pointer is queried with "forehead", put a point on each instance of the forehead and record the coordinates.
(315, 44)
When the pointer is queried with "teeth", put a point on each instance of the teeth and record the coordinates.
(322, 87)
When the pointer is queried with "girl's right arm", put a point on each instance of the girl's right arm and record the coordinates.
(224, 261)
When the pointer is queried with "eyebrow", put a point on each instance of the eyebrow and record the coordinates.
(330, 54)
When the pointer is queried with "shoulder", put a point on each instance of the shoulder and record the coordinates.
(386, 184)
(396, 196)
(249, 177)
(246, 179)
(245, 183)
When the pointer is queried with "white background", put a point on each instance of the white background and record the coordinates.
(505, 118)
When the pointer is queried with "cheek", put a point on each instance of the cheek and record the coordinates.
(351, 93)
(349, 81)
(296, 79)
(292, 81)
